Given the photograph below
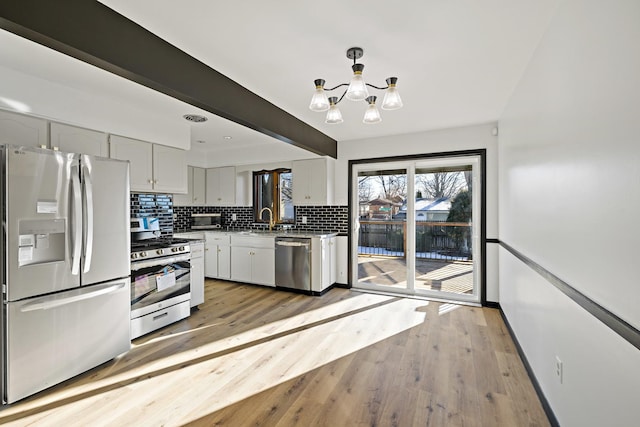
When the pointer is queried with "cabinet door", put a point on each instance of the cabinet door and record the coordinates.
(221, 186)
(71, 139)
(169, 169)
(210, 256)
(19, 129)
(241, 258)
(317, 181)
(139, 154)
(212, 192)
(198, 187)
(228, 186)
(263, 266)
(326, 263)
(333, 252)
(185, 199)
(197, 281)
(309, 182)
(224, 262)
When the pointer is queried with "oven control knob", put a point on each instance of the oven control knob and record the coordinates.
(143, 254)
(159, 251)
(181, 248)
(174, 249)
(134, 256)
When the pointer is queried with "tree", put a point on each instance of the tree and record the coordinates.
(393, 186)
(436, 185)
(460, 212)
(365, 189)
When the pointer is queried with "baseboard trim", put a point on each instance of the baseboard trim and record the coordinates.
(536, 385)
(493, 304)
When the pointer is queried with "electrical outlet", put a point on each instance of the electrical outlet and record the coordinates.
(234, 217)
(559, 369)
(304, 219)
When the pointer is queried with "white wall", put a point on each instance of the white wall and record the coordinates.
(456, 139)
(569, 150)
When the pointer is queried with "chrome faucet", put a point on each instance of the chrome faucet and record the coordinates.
(271, 223)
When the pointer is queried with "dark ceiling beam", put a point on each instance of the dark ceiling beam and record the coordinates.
(93, 33)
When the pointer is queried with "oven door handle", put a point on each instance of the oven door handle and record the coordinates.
(137, 265)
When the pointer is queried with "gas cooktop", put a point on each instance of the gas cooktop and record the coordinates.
(161, 242)
(160, 247)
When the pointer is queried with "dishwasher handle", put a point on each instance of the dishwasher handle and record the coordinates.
(293, 244)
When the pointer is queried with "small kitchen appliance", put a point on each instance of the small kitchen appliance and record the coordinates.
(206, 221)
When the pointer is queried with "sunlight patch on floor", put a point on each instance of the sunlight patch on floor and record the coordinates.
(223, 375)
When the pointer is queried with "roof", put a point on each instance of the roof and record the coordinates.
(384, 202)
(442, 204)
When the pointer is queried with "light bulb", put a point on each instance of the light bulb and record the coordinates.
(372, 115)
(357, 90)
(334, 115)
(392, 100)
(319, 101)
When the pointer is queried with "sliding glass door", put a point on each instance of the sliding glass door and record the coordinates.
(381, 192)
(417, 227)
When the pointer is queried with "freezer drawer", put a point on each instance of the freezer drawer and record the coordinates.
(55, 337)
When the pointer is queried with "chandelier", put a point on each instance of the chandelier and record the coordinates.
(356, 91)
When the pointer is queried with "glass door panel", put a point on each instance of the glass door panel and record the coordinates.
(444, 229)
(381, 235)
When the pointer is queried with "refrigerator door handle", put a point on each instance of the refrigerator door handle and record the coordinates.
(76, 220)
(39, 304)
(88, 199)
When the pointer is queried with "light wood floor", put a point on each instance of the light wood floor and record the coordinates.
(253, 356)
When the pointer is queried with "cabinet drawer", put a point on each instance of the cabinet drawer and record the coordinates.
(218, 238)
(253, 241)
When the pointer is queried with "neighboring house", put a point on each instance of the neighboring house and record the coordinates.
(428, 209)
(363, 209)
(381, 208)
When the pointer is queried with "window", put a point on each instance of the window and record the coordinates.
(272, 189)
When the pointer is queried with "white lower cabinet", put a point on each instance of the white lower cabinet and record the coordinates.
(253, 260)
(323, 263)
(197, 273)
(217, 255)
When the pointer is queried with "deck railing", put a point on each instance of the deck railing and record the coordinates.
(434, 239)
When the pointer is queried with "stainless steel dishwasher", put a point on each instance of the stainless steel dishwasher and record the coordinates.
(293, 263)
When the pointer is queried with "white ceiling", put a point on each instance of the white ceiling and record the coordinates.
(457, 63)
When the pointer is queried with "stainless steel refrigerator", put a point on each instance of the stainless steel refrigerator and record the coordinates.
(65, 266)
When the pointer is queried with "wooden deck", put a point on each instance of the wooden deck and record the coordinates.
(253, 356)
(446, 276)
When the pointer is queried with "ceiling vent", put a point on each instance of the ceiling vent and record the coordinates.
(195, 118)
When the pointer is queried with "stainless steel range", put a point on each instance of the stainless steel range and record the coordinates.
(160, 281)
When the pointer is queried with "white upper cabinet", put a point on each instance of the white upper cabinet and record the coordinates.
(312, 182)
(195, 189)
(19, 129)
(199, 186)
(221, 186)
(169, 169)
(154, 167)
(71, 139)
(140, 155)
